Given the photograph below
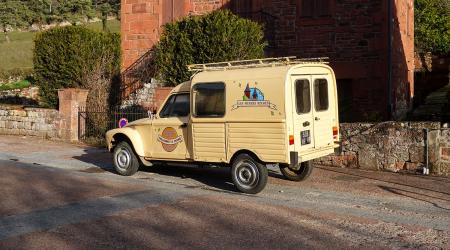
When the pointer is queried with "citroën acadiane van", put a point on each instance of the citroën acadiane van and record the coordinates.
(242, 114)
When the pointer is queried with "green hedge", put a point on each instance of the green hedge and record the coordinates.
(68, 57)
(216, 37)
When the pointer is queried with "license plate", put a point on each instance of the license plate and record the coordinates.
(306, 137)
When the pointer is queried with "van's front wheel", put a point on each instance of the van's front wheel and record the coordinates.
(125, 161)
(248, 175)
(297, 175)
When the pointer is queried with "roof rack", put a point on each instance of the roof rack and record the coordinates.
(256, 63)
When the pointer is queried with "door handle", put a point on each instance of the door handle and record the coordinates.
(306, 124)
(184, 125)
(317, 119)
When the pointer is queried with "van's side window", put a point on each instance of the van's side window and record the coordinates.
(176, 106)
(321, 94)
(209, 100)
(303, 96)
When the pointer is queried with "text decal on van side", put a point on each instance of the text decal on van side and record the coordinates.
(253, 97)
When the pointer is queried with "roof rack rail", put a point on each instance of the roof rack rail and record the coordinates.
(256, 63)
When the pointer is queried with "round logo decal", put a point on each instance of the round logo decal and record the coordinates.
(123, 122)
(169, 139)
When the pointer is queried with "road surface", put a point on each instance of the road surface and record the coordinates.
(62, 196)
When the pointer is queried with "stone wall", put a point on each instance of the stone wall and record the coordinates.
(17, 120)
(26, 96)
(47, 123)
(393, 146)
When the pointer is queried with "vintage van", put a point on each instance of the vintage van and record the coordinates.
(242, 114)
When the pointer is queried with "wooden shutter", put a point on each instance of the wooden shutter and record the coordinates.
(307, 8)
(322, 8)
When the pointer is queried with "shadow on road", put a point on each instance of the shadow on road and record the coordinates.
(416, 181)
(215, 177)
(415, 196)
(98, 157)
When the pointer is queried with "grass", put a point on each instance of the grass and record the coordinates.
(16, 85)
(19, 52)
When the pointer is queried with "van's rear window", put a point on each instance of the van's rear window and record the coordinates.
(303, 96)
(321, 94)
(209, 99)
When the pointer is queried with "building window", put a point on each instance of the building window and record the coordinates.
(209, 99)
(315, 8)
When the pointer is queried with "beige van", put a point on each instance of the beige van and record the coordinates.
(243, 114)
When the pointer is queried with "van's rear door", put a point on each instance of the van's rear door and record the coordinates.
(313, 113)
(303, 116)
(323, 111)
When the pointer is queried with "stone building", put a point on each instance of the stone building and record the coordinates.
(370, 43)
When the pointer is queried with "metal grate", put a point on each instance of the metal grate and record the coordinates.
(256, 63)
(93, 123)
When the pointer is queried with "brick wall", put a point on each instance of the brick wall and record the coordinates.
(354, 36)
(140, 28)
(403, 57)
(141, 22)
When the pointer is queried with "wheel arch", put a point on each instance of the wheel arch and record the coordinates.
(131, 137)
(246, 151)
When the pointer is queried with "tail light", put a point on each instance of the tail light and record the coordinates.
(335, 132)
(291, 140)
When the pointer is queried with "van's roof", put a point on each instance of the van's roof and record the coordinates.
(243, 73)
(251, 73)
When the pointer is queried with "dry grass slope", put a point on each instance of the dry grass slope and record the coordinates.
(19, 52)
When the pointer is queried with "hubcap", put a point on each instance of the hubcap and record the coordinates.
(247, 174)
(123, 158)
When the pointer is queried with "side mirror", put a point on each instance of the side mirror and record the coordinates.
(151, 115)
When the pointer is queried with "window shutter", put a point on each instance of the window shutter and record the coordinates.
(307, 8)
(322, 8)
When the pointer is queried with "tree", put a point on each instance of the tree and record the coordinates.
(432, 26)
(40, 11)
(107, 8)
(76, 11)
(218, 36)
(13, 15)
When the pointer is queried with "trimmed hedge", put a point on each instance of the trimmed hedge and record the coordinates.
(68, 57)
(215, 37)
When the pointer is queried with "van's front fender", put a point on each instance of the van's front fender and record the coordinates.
(114, 136)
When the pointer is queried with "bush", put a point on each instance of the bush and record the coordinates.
(432, 26)
(76, 57)
(218, 36)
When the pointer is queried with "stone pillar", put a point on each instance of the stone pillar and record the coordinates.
(69, 102)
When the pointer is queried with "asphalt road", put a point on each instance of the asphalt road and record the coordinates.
(61, 196)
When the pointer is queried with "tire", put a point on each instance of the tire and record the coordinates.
(125, 161)
(249, 176)
(297, 175)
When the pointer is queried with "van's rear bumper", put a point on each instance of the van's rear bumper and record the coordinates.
(293, 155)
(296, 158)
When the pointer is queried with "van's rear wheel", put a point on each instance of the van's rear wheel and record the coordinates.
(125, 161)
(297, 175)
(248, 175)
